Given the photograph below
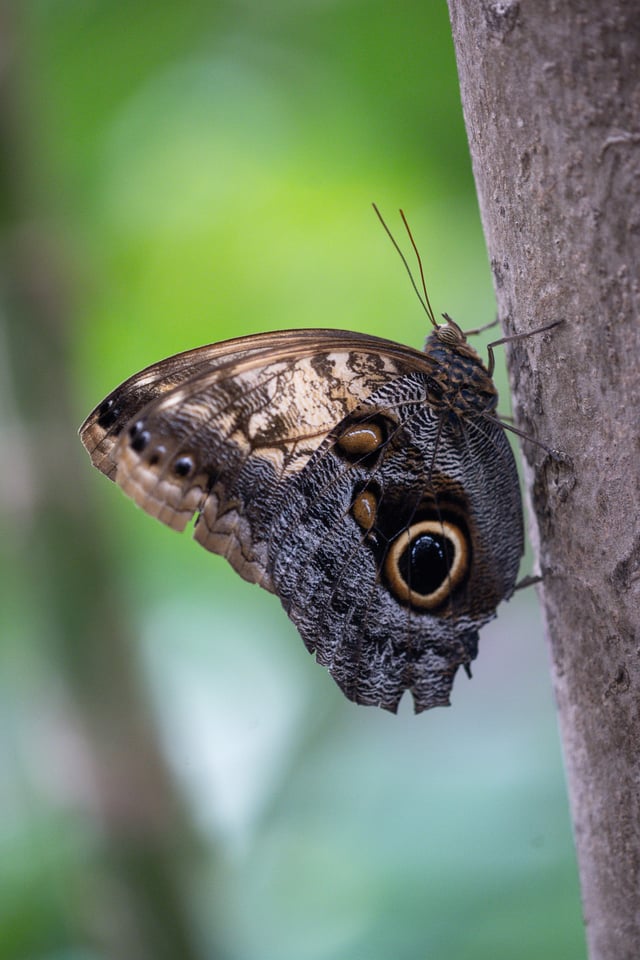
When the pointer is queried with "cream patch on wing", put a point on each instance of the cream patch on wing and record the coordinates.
(302, 403)
(198, 449)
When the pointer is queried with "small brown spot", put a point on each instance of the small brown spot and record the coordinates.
(360, 440)
(364, 509)
(157, 455)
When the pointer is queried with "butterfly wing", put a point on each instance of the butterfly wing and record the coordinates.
(216, 432)
(101, 429)
(321, 465)
(389, 554)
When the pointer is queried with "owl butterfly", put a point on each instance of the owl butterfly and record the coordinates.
(370, 486)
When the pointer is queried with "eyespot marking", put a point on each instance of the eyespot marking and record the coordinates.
(139, 437)
(184, 466)
(426, 563)
(157, 455)
(108, 413)
(360, 440)
(364, 509)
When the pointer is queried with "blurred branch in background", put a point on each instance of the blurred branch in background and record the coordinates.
(132, 900)
(174, 174)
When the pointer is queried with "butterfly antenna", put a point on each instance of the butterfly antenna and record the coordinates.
(426, 306)
(419, 259)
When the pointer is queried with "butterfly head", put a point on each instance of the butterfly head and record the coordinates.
(448, 341)
(449, 332)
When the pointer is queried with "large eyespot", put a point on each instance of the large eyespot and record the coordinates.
(425, 563)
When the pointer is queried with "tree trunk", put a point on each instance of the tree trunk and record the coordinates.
(551, 97)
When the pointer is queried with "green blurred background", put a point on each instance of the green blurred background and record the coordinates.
(178, 778)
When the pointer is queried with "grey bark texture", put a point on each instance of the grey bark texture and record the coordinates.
(551, 97)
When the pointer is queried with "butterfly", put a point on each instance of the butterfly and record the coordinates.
(369, 485)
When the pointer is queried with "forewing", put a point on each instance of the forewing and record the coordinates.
(101, 429)
(216, 432)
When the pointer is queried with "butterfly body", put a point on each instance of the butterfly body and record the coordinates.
(364, 482)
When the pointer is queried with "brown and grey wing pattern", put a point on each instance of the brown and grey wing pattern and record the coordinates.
(214, 432)
(365, 483)
(356, 547)
(101, 429)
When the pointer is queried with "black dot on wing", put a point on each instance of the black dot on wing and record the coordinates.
(139, 437)
(108, 413)
(426, 562)
(183, 466)
(157, 455)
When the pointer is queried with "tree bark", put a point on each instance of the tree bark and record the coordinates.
(551, 97)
